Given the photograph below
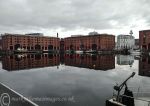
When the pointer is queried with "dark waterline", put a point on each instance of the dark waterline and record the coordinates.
(80, 80)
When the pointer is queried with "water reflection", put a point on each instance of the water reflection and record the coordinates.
(125, 60)
(18, 62)
(97, 62)
(28, 61)
(144, 66)
(90, 88)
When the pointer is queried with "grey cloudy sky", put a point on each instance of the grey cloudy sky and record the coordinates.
(69, 17)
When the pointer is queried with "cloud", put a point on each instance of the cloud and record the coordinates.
(70, 15)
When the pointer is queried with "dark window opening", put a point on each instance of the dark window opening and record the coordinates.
(17, 46)
(28, 48)
(94, 47)
(11, 47)
(31, 48)
(50, 47)
(45, 48)
(37, 47)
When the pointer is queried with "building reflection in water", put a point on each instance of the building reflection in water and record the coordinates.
(125, 60)
(18, 62)
(144, 66)
(97, 62)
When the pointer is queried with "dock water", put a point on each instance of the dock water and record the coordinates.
(9, 97)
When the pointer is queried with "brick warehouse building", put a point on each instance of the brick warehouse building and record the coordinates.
(97, 42)
(97, 62)
(62, 45)
(28, 61)
(144, 66)
(29, 42)
(144, 40)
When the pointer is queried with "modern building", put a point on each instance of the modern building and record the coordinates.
(125, 60)
(30, 42)
(96, 42)
(144, 40)
(125, 42)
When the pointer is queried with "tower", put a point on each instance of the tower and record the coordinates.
(57, 35)
(131, 32)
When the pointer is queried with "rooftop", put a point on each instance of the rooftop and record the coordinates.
(90, 35)
(148, 30)
(30, 34)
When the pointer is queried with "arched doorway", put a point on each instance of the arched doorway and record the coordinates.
(94, 47)
(81, 47)
(71, 47)
(17, 46)
(37, 47)
(50, 47)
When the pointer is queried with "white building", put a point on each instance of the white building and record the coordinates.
(93, 33)
(125, 42)
(125, 60)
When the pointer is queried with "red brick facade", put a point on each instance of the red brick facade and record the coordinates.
(90, 42)
(97, 62)
(144, 40)
(27, 42)
(62, 45)
(28, 61)
(18, 62)
(144, 66)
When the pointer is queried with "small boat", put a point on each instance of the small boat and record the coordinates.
(79, 52)
(91, 51)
